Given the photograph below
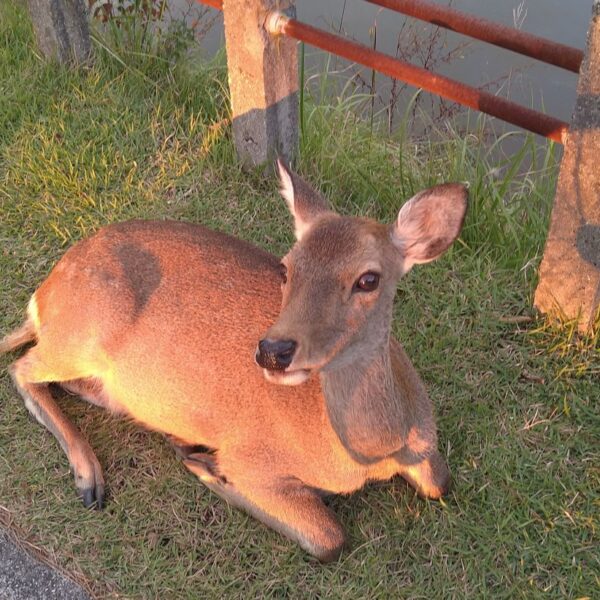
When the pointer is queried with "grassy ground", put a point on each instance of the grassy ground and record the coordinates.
(516, 397)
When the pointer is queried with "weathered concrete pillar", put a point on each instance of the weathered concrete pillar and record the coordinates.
(62, 29)
(263, 82)
(569, 282)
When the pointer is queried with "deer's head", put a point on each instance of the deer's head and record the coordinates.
(339, 279)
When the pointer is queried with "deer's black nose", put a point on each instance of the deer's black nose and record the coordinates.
(275, 355)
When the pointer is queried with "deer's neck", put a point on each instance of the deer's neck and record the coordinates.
(365, 406)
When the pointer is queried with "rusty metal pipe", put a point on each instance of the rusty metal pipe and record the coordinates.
(528, 44)
(542, 49)
(450, 89)
(218, 4)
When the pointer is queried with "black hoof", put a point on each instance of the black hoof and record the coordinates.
(93, 497)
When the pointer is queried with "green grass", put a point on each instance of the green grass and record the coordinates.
(516, 399)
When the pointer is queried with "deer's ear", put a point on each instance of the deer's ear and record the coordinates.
(429, 222)
(305, 204)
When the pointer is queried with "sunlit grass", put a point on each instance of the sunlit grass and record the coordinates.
(516, 396)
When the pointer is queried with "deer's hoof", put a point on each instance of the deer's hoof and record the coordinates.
(93, 497)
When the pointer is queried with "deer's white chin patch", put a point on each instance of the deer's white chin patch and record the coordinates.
(286, 377)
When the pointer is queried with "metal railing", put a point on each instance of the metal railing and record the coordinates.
(488, 31)
(515, 40)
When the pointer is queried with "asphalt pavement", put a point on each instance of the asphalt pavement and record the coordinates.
(22, 577)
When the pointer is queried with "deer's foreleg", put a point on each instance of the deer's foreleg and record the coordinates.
(289, 508)
(429, 476)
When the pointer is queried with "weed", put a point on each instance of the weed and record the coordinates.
(142, 34)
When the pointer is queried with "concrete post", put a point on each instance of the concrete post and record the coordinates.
(62, 30)
(263, 82)
(569, 282)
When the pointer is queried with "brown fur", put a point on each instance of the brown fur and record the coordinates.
(160, 321)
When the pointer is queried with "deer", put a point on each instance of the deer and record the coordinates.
(278, 382)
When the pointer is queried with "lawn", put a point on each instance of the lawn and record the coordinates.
(516, 396)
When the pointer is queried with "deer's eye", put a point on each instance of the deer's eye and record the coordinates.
(283, 273)
(367, 282)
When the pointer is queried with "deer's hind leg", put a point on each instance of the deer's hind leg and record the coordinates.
(32, 377)
(289, 508)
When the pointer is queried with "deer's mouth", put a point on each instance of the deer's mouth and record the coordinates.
(288, 377)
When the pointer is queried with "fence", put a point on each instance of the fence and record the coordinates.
(274, 21)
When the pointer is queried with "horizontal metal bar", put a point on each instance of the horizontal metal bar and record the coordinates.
(450, 89)
(218, 4)
(542, 49)
(497, 34)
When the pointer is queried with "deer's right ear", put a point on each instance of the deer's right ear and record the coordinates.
(305, 204)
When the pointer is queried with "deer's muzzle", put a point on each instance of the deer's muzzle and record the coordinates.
(275, 355)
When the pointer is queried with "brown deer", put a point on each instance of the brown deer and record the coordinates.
(160, 321)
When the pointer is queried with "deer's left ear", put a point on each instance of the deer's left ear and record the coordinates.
(429, 222)
(305, 204)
